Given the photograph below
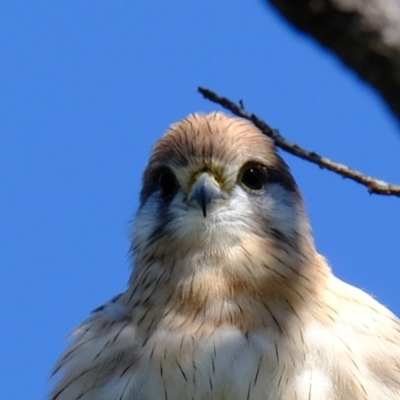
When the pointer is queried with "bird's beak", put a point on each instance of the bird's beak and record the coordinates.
(205, 191)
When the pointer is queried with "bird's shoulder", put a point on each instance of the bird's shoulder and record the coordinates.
(356, 339)
(97, 346)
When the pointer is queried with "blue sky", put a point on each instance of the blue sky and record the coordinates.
(86, 88)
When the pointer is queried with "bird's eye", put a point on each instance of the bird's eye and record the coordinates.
(168, 183)
(254, 177)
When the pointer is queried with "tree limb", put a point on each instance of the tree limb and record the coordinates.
(365, 34)
(373, 185)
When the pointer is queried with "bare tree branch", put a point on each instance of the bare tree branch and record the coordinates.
(373, 185)
(365, 34)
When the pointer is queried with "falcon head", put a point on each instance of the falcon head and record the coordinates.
(214, 183)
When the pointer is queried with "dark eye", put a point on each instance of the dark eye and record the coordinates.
(254, 177)
(168, 183)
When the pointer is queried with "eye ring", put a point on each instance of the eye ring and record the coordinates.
(253, 177)
(167, 183)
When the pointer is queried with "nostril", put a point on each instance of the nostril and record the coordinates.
(205, 191)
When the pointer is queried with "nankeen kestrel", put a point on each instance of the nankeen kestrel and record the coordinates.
(228, 298)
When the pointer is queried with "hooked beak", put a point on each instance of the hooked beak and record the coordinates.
(205, 191)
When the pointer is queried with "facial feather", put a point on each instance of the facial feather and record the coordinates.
(270, 222)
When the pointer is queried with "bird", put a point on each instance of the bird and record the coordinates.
(228, 298)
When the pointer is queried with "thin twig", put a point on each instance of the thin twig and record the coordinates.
(373, 185)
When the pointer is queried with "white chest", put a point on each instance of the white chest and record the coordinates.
(224, 365)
